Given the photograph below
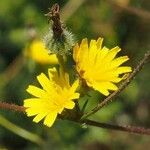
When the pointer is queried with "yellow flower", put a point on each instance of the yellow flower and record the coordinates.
(98, 66)
(56, 95)
(39, 54)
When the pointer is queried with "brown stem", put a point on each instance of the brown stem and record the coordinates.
(132, 10)
(130, 129)
(12, 70)
(70, 8)
(4, 105)
(109, 99)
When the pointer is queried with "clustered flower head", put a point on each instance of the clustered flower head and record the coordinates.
(55, 95)
(98, 66)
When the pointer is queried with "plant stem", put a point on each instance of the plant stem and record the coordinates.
(70, 8)
(109, 99)
(130, 129)
(144, 14)
(4, 105)
(61, 62)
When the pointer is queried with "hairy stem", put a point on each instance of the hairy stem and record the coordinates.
(4, 105)
(144, 14)
(110, 98)
(130, 129)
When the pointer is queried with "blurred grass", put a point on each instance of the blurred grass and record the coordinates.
(120, 24)
(19, 131)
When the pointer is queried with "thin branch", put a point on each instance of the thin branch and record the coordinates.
(132, 10)
(12, 70)
(4, 105)
(110, 98)
(70, 8)
(130, 129)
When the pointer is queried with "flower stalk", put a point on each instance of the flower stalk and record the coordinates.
(125, 128)
(130, 129)
(14, 107)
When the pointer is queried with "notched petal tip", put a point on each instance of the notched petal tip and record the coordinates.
(100, 39)
(125, 58)
(52, 72)
(124, 69)
(50, 119)
(93, 43)
(105, 92)
(31, 112)
(28, 89)
(84, 44)
(76, 83)
(115, 50)
(76, 47)
(99, 42)
(40, 76)
(74, 86)
(39, 117)
(70, 105)
(84, 41)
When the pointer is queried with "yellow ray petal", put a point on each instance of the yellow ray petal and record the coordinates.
(83, 55)
(32, 102)
(118, 61)
(75, 96)
(74, 86)
(45, 82)
(35, 91)
(99, 43)
(31, 112)
(52, 72)
(75, 52)
(54, 77)
(109, 85)
(111, 54)
(124, 69)
(101, 54)
(50, 118)
(100, 88)
(70, 105)
(39, 117)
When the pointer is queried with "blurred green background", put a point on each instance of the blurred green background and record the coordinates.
(125, 23)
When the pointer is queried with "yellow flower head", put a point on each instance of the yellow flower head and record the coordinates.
(55, 95)
(39, 54)
(98, 66)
